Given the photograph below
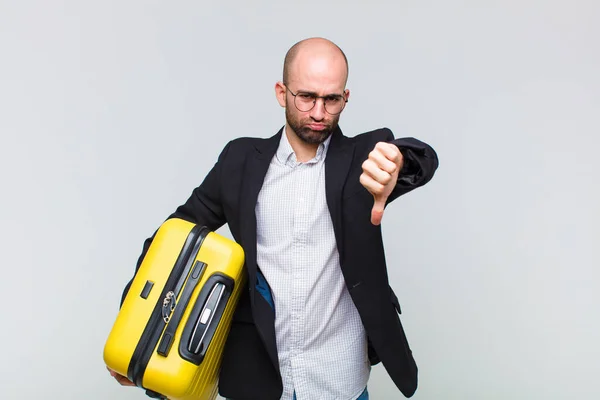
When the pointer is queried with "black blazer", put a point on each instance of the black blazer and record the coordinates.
(228, 194)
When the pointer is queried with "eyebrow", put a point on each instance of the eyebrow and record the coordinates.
(315, 94)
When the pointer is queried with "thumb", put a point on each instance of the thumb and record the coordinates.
(377, 211)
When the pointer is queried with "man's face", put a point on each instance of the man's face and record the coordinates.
(309, 129)
(320, 75)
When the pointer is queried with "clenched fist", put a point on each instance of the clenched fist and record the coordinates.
(380, 174)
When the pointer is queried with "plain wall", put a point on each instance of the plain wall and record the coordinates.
(111, 112)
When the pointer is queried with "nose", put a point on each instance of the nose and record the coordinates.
(318, 111)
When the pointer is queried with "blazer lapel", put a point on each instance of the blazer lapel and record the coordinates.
(337, 166)
(256, 168)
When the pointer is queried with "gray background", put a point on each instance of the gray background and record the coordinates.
(112, 111)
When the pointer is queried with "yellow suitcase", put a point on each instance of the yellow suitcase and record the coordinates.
(169, 335)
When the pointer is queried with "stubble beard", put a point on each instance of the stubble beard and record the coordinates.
(306, 134)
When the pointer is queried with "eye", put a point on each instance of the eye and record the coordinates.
(333, 99)
(306, 96)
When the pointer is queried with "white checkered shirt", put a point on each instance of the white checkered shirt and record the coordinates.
(321, 341)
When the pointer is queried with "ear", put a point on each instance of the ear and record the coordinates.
(347, 94)
(280, 92)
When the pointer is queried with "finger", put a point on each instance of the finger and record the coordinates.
(373, 170)
(124, 381)
(377, 190)
(120, 378)
(374, 187)
(377, 211)
(382, 161)
(390, 151)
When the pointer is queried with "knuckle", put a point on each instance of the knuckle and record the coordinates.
(377, 188)
(364, 179)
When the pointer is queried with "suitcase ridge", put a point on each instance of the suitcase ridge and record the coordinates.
(181, 305)
(153, 330)
(203, 233)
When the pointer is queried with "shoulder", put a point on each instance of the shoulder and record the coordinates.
(240, 149)
(243, 145)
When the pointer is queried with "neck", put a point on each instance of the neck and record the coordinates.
(304, 151)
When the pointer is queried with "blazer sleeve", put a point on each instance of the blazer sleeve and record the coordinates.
(203, 207)
(420, 163)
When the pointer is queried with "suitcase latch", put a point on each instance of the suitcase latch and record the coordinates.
(168, 306)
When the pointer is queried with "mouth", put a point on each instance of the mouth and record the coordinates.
(317, 127)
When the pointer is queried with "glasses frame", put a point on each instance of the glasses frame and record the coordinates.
(315, 101)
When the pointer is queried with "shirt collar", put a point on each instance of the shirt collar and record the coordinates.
(285, 153)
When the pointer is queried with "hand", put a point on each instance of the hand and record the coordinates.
(123, 380)
(380, 174)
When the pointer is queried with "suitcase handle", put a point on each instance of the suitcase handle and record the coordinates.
(205, 317)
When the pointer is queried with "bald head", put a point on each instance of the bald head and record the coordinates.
(310, 49)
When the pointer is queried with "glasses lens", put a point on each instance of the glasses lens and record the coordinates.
(334, 104)
(304, 101)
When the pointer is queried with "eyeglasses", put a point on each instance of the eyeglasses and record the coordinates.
(305, 101)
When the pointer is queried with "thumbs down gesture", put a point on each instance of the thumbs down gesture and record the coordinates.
(380, 175)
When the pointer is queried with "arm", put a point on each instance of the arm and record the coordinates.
(204, 205)
(395, 167)
(420, 162)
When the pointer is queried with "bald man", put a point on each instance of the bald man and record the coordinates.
(306, 205)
